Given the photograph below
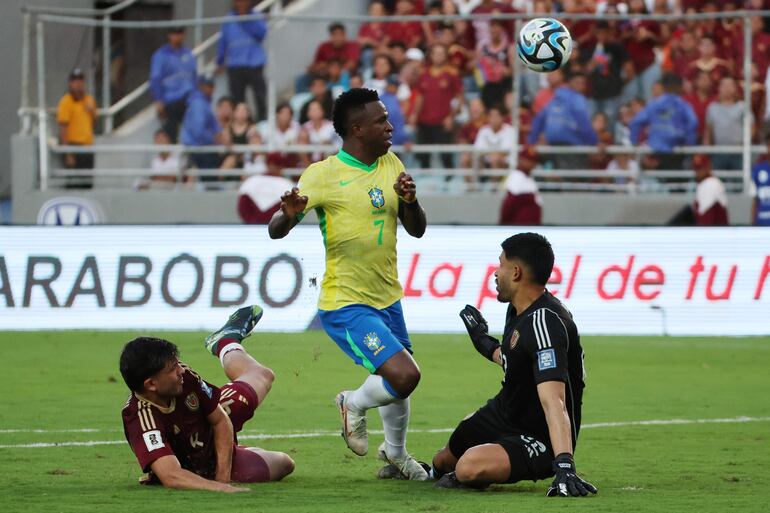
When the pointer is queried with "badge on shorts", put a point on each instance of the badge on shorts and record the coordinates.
(514, 338)
(546, 359)
(372, 341)
(191, 401)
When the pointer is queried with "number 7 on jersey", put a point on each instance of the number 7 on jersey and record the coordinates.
(381, 223)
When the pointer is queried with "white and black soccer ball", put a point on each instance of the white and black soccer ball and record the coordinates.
(544, 44)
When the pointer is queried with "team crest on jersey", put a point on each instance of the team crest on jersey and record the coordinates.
(514, 338)
(191, 401)
(378, 199)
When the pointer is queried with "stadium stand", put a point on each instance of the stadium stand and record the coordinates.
(436, 71)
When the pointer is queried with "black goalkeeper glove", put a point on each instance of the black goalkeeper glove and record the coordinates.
(478, 329)
(567, 482)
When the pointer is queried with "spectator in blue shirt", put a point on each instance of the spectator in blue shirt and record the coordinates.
(240, 51)
(566, 121)
(172, 78)
(760, 175)
(670, 121)
(389, 98)
(201, 128)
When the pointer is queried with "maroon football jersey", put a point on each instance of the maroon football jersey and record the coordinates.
(181, 429)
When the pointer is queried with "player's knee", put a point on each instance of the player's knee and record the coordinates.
(268, 376)
(283, 466)
(407, 381)
(469, 469)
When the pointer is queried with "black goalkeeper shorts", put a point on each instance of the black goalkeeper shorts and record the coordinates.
(530, 458)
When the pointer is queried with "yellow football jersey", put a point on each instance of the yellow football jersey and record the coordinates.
(357, 211)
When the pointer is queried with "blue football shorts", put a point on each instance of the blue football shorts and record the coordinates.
(367, 335)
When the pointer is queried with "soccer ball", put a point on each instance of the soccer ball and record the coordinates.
(544, 45)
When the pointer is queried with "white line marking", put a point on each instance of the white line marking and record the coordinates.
(320, 434)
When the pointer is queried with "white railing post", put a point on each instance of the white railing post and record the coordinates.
(106, 93)
(42, 116)
(25, 58)
(516, 71)
(271, 89)
(747, 79)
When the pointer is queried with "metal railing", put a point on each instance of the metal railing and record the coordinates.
(474, 178)
(106, 23)
(108, 110)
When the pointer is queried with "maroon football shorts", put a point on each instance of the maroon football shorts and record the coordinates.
(239, 400)
(248, 467)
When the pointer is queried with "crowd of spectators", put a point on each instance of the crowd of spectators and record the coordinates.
(633, 82)
(660, 83)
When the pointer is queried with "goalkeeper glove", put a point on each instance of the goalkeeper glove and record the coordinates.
(567, 482)
(478, 330)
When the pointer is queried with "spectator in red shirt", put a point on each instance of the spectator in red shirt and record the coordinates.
(459, 57)
(640, 38)
(408, 32)
(522, 204)
(727, 31)
(259, 196)
(481, 27)
(371, 36)
(708, 28)
(709, 62)
(684, 52)
(441, 96)
(710, 206)
(760, 44)
(495, 60)
(582, 31)
(701, 98)
(468, 132)
(337, 47)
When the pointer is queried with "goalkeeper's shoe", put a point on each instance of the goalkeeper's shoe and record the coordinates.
(353, 425)
(449, 480)
(237, 327)
(406, 468)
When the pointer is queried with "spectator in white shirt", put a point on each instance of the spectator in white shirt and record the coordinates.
(495, 135)
(317, 130)
(166, 167)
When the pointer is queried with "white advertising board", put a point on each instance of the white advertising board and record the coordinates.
(681, 281)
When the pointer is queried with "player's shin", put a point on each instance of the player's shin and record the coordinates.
(395, 419)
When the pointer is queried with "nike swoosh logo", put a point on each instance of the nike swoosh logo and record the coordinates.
(344, 183)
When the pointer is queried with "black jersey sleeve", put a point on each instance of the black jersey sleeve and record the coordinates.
(545, 338)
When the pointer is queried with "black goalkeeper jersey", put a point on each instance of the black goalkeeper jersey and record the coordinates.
(541, 344)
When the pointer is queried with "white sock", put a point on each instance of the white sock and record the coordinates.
(395, 419)
(370, 394)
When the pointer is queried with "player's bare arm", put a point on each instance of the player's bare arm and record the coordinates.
(552, 399)
(566, 482)
(292, 204)
(410, 212)
(223, 443)
(172, 475)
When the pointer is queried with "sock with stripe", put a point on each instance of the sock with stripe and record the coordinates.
(395, 419)
(226, 345)
(371, 394)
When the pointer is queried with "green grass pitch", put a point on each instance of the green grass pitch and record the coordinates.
(56, 383)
